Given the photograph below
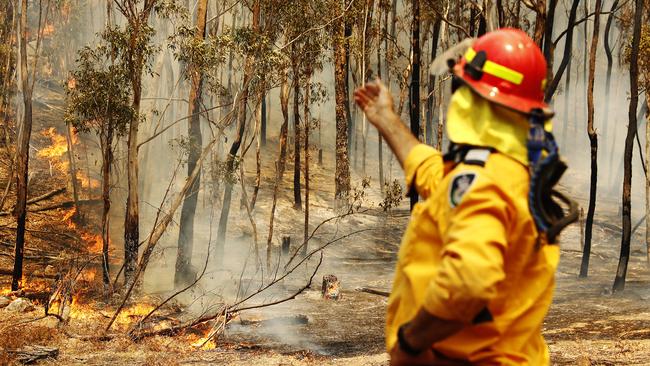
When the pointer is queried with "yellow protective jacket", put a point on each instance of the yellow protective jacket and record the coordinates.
(482, 253)
(472, 248)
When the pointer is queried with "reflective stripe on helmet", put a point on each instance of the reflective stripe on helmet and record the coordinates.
(497, 70)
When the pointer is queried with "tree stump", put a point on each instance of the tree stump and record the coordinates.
(331, 289)
(286, 243)
(320, 156)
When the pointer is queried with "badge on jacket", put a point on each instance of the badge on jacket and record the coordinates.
(459, 186)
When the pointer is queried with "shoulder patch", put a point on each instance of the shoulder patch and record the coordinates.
(459, 185)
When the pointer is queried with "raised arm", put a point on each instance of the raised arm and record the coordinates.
(377, 104)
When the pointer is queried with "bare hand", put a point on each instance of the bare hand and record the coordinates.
(400, 358)
(376, 102)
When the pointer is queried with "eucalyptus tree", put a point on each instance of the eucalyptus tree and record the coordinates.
(644, 68)
(195, 74)
(98, 99)
(593, 143)
(28, 76)
(634, 49)
(131, 45)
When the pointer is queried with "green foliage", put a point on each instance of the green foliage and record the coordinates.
(98, 93)
(130, 47)
(184, 145)
(220, 171)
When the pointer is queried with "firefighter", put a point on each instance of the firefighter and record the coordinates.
(475, 271)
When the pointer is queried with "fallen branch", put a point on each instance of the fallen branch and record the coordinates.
(66, 204)
(299, 319)
(372, 291)
(46, 195)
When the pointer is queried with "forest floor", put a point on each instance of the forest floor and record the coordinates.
(587, 324)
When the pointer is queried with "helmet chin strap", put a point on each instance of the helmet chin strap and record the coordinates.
(546, 171)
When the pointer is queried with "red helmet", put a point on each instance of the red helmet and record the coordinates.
(506, 67)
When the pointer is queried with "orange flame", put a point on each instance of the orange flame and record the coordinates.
(48, 29)
(57, 149)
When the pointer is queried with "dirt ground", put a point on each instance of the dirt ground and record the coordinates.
(587, 324)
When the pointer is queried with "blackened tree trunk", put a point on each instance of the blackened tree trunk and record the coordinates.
(22, 154)
(106, 138)
(550, 91)
(132, 217)
(567, 89)
(619, 280)
(232, 153)
(414, 92)
(593, 143)
(136, 54)
(548, 38)
(183, 274)
(297, 200)
(307, 127)
(263, 122)
(342, 176)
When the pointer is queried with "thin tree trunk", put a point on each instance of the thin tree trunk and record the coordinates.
(647, 180)
(431, 85)
(73, 165)
(593, 143)
(230, 161)
(380, 148)
(549, 49)
(280, 164)
(258, 147)
(608, 82)
(365, 63)
(621, 272)
(345, 43)
(131, 219)
(22, 154)
(440, 105)
(567, 88)
(414, 94)
(306, 116)
(342, 176)
(647, 185)
(263, 121)
(297, 199)
(183, 274)
(132, 216)
(540, 22)
(567, 53)
(107, 161)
